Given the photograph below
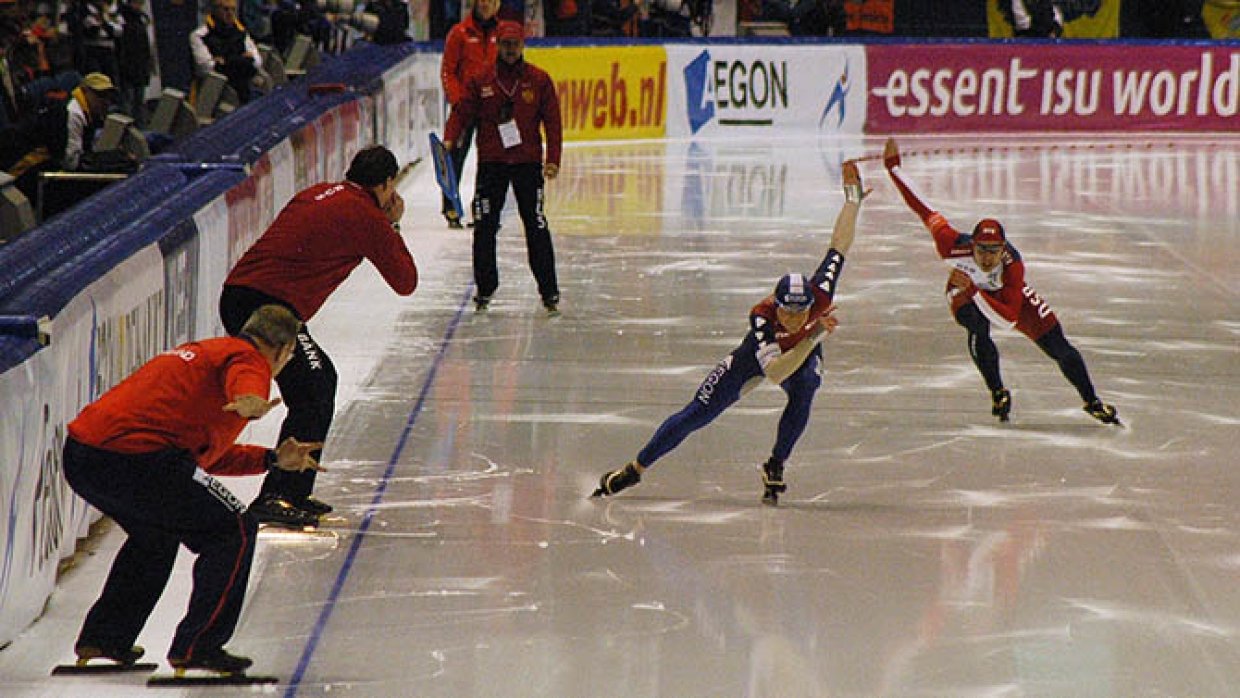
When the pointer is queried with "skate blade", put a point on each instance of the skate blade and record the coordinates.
(103, 667)
(182, 678)
(770, 499)
(599, 493)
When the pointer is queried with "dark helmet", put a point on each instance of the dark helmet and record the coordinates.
(794, 292)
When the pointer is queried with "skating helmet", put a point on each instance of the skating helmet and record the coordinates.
(988, 231)
(794, 293)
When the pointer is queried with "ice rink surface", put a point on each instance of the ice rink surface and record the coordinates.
(922, 549)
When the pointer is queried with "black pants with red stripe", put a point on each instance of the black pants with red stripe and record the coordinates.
(163, 500)
(307, 387)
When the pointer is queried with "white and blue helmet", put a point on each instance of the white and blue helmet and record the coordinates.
(794, 293)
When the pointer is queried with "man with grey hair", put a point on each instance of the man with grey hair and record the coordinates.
(145, 454)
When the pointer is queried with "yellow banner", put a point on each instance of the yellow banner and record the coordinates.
(608, 94)
(1104, 24)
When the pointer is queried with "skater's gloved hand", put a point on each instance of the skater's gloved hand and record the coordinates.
(251, 406)
(768, 353)
(959, 282)
(891, 154)
(854, 193)
(295, 456)
(827, 322)
(551, 170)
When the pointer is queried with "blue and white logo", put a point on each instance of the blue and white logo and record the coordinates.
(699, 107)
(837, 101)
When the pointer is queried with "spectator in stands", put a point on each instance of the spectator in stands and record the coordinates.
(469, 50)
(58, 135)
(614, 17)
(807, 17)
(1045, 18)
(101, 27)
(136, 59)
(567, 17)
(393, 21)
(293, 17)
(223, 45)
(1166, 19)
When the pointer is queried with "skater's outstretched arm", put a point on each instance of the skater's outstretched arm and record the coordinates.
(944, 235)
(846, 221)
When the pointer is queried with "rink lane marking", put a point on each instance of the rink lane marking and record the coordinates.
(347, 566)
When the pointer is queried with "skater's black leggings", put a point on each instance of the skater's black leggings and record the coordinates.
(1054, 344)
(981, 347)
(307, 387)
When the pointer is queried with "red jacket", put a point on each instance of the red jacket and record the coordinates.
(532, 95)
(317, 241)
(176, 401)
(468, 50)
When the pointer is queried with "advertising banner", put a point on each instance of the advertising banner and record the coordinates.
(619, 93)
(970, 88)
(724, 89)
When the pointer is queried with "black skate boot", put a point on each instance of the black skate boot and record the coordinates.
(217, 660)
(125, 656)
(94, 658)
(274, 509)
(552, 306)
(481, 303)
(1001, 403)
(617, 480)
(315, 506)
(1102, 412)
(773, 481)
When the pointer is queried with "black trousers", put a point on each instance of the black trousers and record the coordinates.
(307, 386)
(526, 180)
(1054, 344)
(163, 500)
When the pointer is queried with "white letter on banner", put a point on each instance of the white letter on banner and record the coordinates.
(920, 96)
(1207, 81)
(1014, 106)
(1130, 91)
(992, 86)
(942, 93)
(1162, 92)
(1228, 82)
(896, 89)
(966, 89)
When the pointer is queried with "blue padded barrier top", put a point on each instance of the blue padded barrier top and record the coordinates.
(49, 294)
(362, 66)
(64, 237)
(246, 134)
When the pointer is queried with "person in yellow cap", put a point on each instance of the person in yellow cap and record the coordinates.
(58, 133)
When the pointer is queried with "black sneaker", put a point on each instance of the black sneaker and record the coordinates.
(552, 306)
(454, 221)
(315, 506)
(1102, 412)
(123, 656)
(481, 303)
(218, 660)
(279, 511)
(1001, 403)
(773, 480)
(617, 480)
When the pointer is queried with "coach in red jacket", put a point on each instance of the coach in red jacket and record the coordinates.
(468, 50)
(512, 105)
(144, 454)
(319, 238)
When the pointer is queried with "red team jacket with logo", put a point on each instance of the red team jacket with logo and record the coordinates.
(176, 402)
(318, 239)
(1007, 299)
(531, 94)
(468, 50)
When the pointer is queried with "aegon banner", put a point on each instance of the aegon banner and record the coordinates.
(724, 89)
(969, 88)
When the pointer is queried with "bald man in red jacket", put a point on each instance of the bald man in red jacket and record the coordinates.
(145, 454)
(318, 239)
